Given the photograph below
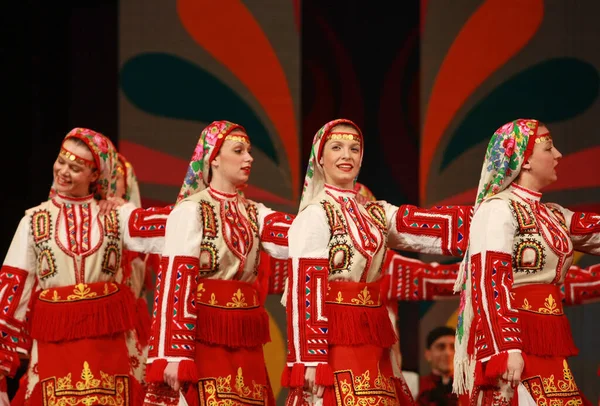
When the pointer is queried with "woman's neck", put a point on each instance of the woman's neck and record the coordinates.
(222, 185)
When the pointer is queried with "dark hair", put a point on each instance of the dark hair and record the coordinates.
(441, 331)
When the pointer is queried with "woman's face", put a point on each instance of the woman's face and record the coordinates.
(72, 178)
(341, 159)
(234, 161)
(543, 161)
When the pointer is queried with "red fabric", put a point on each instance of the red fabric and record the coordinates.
(241, 373)
(89, 362)
(82, 311)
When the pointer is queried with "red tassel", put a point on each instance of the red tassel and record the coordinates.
(329, 397)
(126, 258)
(479, 377)
(155, 372)
(187, 371)
(355, 325)
(324, 375)
(143, 321)
(496, 366)
(285, 377)
(101, 316)
(537, 341)
(297, 375)
(233, 328)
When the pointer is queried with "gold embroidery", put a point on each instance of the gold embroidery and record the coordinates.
(213, 299)
(106, 390)
(550, 306)
(199, 290)
(238, 300)
(238, 138)
(526, 304)
(359, 390)
(344, 136)
(219, 391)
(81, 291)
(549, 391)
(364, 298)
(339, 297)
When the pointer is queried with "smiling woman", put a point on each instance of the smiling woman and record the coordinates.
(339, 331)
(67, 309)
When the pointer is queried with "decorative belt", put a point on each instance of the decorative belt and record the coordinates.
(354, 294)
(538, 298)
(227, 294)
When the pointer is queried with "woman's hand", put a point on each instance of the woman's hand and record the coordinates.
(514, 369)
(309, 382)
(110, 204)
(170, 376)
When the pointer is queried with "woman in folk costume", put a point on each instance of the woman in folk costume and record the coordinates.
(512, 327)
(136, 272)
(209, 324)
(339, 332)
(62, 304)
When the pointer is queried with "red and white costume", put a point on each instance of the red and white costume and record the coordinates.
(61, 304)
(208, 311)
(337, 318)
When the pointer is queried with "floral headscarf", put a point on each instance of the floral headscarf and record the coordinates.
(314, 180)
(132, 188)
(105, 161)
(363, 194)
(211, 139)
(510, 146)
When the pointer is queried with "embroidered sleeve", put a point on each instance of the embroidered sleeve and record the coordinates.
(496, 327)
(583, 227)
(144, 229)
(17, 282)
(413, 280)
(273, 229)
(173, 332)
(277, 270)
(438, 230)
(307, 325)
(581, 285)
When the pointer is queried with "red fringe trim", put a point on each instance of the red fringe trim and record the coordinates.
(143, 321)
(545, 335)
(487, 373)
(356, 325)
(187, 371)
(233, 328)
(66, 321)
(155, 372)
(324, 375)
(297, 373)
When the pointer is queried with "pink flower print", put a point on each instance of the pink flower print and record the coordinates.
(101, 143)
(507, 128)
(509, 146)
(212, 134)
(495, 188)
(198, 152)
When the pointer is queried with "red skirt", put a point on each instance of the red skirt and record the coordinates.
(547, 342)
(360, 335)
(80, 354)
(229, 359)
